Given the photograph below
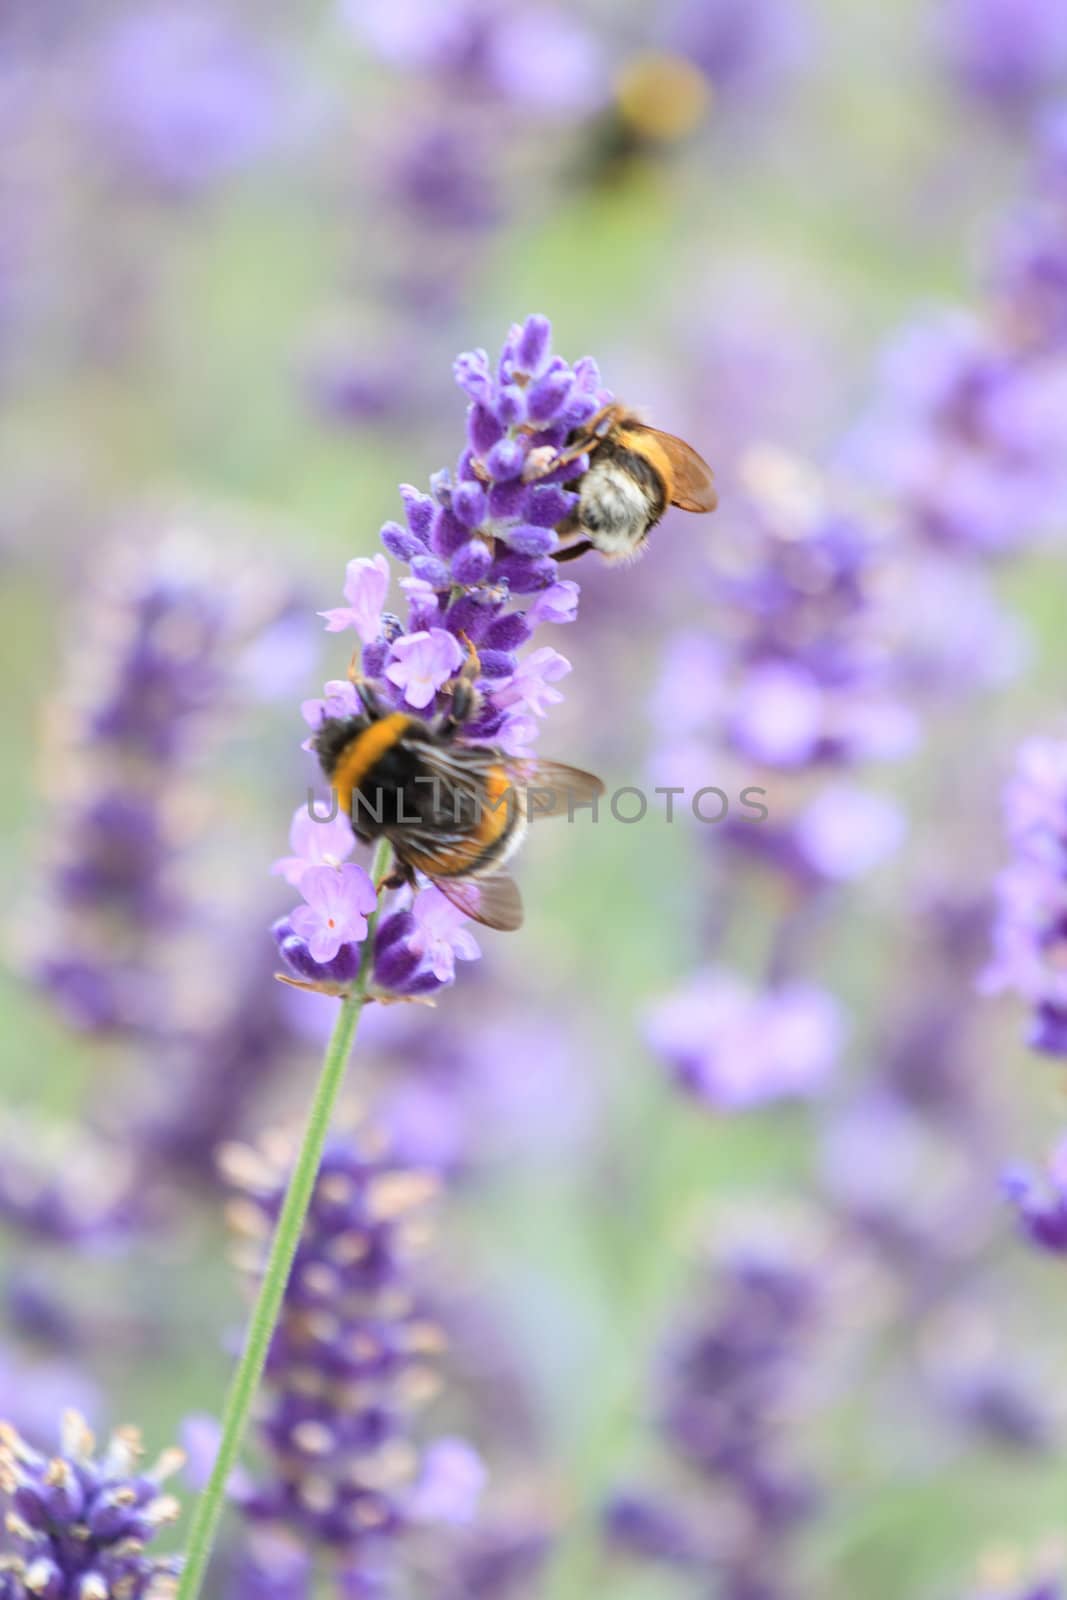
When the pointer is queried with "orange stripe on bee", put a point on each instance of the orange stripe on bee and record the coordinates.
(643, 442)
(367, 748)
(501, 809)
(498, 808)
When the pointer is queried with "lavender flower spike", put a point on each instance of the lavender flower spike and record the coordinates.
(79, 1526)
(350, 1360)
(480, 578)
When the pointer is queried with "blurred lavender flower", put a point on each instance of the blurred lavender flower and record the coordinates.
(1005, 53)
(996, 1404)
(912, 1201)
(490, 93)
(734, 1049)
(497, 1560)
(163, 651)
(534, 58)
(967, 435)
(270, 1566)
(59, 1184)
(1029, 278)
(745, 47)
(212, 1075)
(803, 672)
(186, 97)
(727, 1377)
(1041, 1205)
(1031, 916)
(349, 1362)
(967, 432)
(35, 1391)
(76, 1525)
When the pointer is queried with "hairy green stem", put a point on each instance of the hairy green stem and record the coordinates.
(279, 1264)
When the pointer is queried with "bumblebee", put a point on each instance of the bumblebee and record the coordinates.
(635, 472)
(456, 813)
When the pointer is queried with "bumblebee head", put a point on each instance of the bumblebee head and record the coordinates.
(334, 737)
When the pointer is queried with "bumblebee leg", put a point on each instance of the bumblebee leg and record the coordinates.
(401, 876)
(588, 441)
(466, 701)
(573, 551)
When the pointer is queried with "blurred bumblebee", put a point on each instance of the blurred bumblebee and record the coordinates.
(456, 813)
(660, 101)
(635, 472)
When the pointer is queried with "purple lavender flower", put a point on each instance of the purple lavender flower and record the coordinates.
(163, 651)
(1031, 917)
(185, 97)
(743, 46)
(366, 586)
(967, 436)
(62, 1185)
(441, 935)
(732, 1048)
(1042, 1205)
(270, 1566)
(338, 903)
(499, 1560)
(810, 678)
(35, 1391)
(1005, 53)
(481, 538)
(480, 578)
(652, 1528)
(1029, 276)
(349, 1360)
(422, 663)
(77, 1525)
(315, 843)
(725, 1378)
(539, 58)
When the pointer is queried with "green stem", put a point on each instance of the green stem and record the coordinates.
(279, 1263)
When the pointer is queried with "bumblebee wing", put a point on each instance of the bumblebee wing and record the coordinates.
(551, 789)
(694, 481)
(495, 902)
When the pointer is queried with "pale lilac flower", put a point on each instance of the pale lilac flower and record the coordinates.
(517, 734)
(557, 604)
(846, 831)
(423, 663)
(366, 586)
(442, 934)
(314, 844)
(531, 685)
(339, 900)
(450, 1484)
(779, 715)
(339, 700)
